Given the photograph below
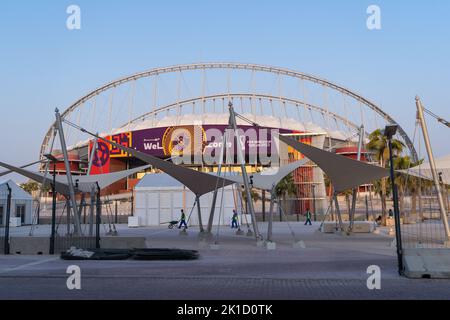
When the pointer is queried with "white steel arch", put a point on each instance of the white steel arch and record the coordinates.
(237, 66)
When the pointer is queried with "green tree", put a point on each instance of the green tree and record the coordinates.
(30, 186)
(407, 184)
(378, 144)
(255, 197)
(286, 187)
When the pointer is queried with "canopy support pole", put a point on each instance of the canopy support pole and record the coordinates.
(437, 185)
(355, 190)
(199, 211)
(8, 216)
(219, 172)
(241, 160)
(92, 155)
(338, 212)
(72, 199)
(270, 224)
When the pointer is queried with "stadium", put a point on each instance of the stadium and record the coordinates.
(183, 110)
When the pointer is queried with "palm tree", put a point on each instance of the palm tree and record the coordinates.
(379, 145)
(406, 183)
(284, 188)
(254, 195)
(402, 181)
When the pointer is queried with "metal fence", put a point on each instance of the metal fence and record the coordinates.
(63, 243)
(113, 211)
(2, 243)
(422, 223)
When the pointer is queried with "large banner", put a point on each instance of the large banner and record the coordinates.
(190, 141)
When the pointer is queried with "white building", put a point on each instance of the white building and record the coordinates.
(21, 204)
(159, 199)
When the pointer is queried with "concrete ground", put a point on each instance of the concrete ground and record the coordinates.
(330, 267)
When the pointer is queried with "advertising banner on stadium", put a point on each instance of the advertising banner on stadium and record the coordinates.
(175, 141)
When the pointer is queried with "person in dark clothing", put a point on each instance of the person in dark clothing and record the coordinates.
(234, 220)
(308, 218)
(391, 213)
(183, 220)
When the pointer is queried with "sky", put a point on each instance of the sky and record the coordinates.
(44, 65)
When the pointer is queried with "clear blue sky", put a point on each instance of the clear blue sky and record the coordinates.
(43, 65)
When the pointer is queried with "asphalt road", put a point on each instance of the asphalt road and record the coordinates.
(330, 267)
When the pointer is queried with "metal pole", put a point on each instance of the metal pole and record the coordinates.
(115, 212)
(132, 202)
(73, 200)
(219, 172)
(53, 234)
(263, 199)
(91, 212)
(98, 218)
(279, 208)
(92, 156)
(398, 236)
(367, 208)
(244, 170)
(355, 190)
(433, 168)
(338, 212)
(199, 211)
(68, 216)
(314, 201)
(8, 216)
(270, 225)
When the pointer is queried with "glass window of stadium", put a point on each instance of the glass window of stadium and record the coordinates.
(20, 212)
(1, 215)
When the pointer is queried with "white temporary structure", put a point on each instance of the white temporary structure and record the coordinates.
(159, 199)
(21, 204)
(424, 170)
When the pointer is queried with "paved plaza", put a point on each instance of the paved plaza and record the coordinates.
(331, 266)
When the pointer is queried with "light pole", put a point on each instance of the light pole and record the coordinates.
(53, 160)
(314, 201)
(389, 132)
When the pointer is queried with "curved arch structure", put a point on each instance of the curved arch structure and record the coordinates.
(242, 66)
(248, 96)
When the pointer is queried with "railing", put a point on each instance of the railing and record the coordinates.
(64, 243)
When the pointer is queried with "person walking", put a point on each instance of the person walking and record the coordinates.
(234, 220)
(183, 220)
(308, 217)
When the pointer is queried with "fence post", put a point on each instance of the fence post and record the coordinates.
(8, 216)
(98, 218)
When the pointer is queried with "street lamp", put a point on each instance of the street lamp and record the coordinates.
(389, 132)
(52, 159)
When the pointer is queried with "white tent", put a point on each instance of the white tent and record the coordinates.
(344, 173)
(159, 199)
(21, 204)
(424, 170)
(267, 179)
(83, 183)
